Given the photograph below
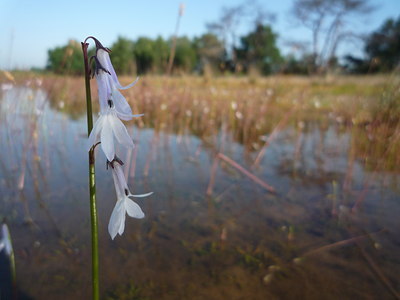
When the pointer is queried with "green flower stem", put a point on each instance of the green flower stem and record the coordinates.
(13, 274)
(13, 270)
(92, 182)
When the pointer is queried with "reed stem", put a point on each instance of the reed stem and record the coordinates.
(92, 182)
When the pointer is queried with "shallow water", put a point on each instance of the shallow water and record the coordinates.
(329, 231)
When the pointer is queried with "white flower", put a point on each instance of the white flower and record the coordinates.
(5, 241)
(108, 90)
(105, 61)
(124, 205)
(106, 127)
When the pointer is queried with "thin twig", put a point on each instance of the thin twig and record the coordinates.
(378, 272)
(271, 137)
(341, 243)
(247, 173)
(213, 172)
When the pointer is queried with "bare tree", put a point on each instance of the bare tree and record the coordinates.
(329, 22)
(227, 26)
(250, 12)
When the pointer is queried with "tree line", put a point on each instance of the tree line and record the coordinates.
(198, 55)
(221, 50)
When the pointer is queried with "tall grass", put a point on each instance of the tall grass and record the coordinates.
(250, 110)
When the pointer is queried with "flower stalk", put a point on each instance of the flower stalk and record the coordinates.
(107, 129)
(92, 181)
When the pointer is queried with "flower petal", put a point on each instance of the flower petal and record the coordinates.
(119, 188)
(120, 132)
(128, 117)
(103, 88)
(117, 218)
(94, 134)
(120, 103)
(132, 209)
(141, 195)
(120, 177)
(7, 240)
(105, 61)
(127, 86)
(107, 138)
(122, 225)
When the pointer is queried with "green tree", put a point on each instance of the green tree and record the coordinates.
(122, 56)
(210, 51)
(144, 55)
(293, 65)
(161, 54)
(356, 65)
(185, 56)
(383, 46)
(67, 59)
(258, 50)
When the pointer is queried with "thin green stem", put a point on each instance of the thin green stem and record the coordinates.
(13, 275)
(92, 182)
(13, 269)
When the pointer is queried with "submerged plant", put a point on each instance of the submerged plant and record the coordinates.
(113, 109)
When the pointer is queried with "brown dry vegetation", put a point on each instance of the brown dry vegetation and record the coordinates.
(252, 107)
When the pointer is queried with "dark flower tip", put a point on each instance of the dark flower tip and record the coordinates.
(98, 65)
(115, 160)
(98, 44)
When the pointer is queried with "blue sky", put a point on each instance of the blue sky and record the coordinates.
(28, 28)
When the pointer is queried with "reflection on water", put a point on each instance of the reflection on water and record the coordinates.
(213, 230)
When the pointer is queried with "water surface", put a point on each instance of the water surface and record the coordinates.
(330, 231)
